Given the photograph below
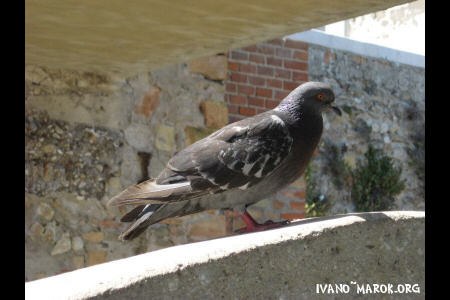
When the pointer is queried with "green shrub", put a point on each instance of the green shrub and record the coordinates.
(375, 182)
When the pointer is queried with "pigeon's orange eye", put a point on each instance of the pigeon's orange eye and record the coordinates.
(320, 96)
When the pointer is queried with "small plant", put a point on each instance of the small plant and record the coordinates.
(376, 182)
(316, 204)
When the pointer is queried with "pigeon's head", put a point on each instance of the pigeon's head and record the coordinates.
(312, 96)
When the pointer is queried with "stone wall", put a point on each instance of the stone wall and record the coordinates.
(383, 104)
(90, 135)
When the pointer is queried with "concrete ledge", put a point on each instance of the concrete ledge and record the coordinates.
(365, 49)
(286, 263)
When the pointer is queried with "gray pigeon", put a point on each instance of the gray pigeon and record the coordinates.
(236, 166)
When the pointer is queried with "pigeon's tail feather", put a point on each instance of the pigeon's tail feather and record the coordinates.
(149, 192)
(139, 226)
(138, 211)
(154, 213)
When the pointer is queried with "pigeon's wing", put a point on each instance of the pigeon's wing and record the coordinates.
(236, 156)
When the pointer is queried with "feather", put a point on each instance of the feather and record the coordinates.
(138, 211)
(137, 227)
(149, 192)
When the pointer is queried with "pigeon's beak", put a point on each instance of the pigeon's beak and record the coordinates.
(337, 110)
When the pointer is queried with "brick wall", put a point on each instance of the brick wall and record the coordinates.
(260, 76)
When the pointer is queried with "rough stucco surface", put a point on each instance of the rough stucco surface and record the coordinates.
(286, 263)
(134, 37)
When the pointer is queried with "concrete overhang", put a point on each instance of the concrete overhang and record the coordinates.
(142, 35)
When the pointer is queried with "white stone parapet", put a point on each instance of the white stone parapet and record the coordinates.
(305, 260)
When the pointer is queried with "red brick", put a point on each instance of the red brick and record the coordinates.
(274, 61)
(256, 80)
(237, 77)
(274, 83)
(292, 64)
(285, 53)
(301, 55)
(262, 92)
(251, 48)
(296, 205)
(233, 109)
(268, 50)
(265, 70)
(277, 204)
(276, 42)
(238, 99)
(257, 58)
(293, 216)
(233, 66)
(280, 95)
(300, 194)
(255, 101)
(246, 89)
(300, 76)
(231, 87)
(239, 55)
(247, 111)
(261, 110)
(290, 85)
(232, 119)
(286, 74)
(247, 68)
(296, 44)
(271, 104)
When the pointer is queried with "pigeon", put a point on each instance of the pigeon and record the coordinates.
(234, 167)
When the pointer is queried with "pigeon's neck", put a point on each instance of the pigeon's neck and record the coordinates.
(297, 110)
(308, 120)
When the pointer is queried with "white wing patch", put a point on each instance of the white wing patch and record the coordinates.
(240, 129)
(277, 119)
(245, 186)
(259, 173)
(247, 167)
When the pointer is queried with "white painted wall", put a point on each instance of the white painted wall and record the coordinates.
(401, 27)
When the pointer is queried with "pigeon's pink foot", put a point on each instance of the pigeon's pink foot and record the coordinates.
(251, 225)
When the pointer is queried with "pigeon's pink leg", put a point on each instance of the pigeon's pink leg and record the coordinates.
(251, 225)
